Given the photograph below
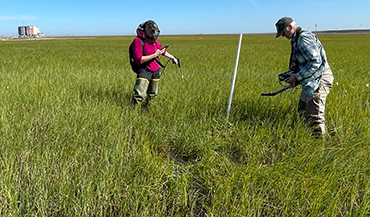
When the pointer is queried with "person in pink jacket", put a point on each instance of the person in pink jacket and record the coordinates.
(144, 52)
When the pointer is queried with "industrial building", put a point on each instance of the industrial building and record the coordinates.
(29, 32)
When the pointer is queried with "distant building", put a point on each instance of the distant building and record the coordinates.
(29, 32)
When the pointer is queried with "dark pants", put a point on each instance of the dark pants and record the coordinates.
(148, 75)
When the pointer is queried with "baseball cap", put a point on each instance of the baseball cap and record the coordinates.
(282, 24)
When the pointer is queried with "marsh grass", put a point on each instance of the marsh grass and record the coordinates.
(72, 146)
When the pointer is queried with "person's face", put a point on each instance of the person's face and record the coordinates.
(149, 32)
(288, 32)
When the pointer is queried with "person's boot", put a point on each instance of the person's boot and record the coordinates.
(152, 92)
(153, 88)
(318, 131)
(140, 92)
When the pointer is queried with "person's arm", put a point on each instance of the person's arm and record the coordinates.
(311, 53)
(139, 55)
(151, 56)
(166, 54)
(170, 56)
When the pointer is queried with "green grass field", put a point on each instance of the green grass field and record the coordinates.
(72, 146)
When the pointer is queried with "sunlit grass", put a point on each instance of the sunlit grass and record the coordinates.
(72, 146)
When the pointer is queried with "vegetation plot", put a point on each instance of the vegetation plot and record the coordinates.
(72, 146)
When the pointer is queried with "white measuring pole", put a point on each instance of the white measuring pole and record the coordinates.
(234, 77)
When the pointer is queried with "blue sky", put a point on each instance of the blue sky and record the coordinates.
(121, 17)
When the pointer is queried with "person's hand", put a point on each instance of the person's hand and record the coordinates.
(158, 52)
(175, 61)
(292, 78)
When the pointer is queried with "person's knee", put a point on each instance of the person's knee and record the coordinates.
(153, 88)
(140, 89)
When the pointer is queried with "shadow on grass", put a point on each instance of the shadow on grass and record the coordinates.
(264, 132)
(239, 140)
(261, 110)
(118, 97)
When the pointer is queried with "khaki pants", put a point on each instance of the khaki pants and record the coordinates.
(313, 108)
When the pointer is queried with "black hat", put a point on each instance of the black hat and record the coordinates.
(282, 24)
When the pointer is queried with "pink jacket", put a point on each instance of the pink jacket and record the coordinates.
(137, 48)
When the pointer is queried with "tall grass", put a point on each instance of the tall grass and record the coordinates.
(72, 146)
